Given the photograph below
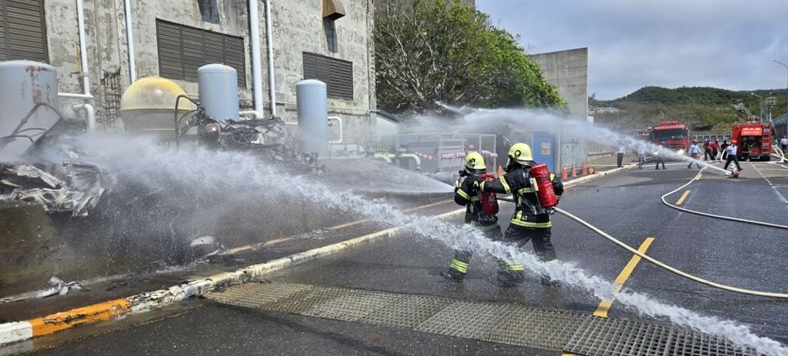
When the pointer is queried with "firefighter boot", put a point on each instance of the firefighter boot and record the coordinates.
(549, 282)
(453, 274)
(459, 266)
(509, 278)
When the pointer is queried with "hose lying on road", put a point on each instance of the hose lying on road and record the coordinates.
(753, 222)
(669, 268)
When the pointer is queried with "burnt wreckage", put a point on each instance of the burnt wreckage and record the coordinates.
(267, 138)
(76, 187)
(73, 187)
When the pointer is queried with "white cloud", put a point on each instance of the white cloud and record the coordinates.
(670, 43)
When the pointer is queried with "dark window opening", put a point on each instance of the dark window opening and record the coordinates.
(336, 73)
(23, 33)
(331, 36)
(184, 49)
(209, 11)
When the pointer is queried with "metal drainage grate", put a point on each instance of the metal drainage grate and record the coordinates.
(550, 329)
(539, 328)
(625, 337)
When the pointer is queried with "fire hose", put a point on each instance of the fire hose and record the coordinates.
(746, 221)
(662, 265)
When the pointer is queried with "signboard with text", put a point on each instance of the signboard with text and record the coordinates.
(752, 131)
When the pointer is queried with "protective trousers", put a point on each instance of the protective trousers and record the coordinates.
(512, 272)
(462, 258)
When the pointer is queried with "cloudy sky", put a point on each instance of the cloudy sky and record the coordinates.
(725, 44)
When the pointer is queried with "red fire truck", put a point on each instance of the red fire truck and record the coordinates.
(754, 139)
(671, 135)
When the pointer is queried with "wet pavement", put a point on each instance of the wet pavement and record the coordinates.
(626, 205)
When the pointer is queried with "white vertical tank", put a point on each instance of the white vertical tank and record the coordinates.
(24, 86)
(312, 102)
(219, 91)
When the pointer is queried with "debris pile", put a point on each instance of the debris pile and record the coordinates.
(72, 187)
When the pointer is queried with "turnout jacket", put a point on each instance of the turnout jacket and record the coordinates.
(528, 212)
(466, 194)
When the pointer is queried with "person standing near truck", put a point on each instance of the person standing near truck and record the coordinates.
(731, 150)
(694, 152)
(784, 144)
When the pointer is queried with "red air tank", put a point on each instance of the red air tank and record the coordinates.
(489, 199)
(544, 185)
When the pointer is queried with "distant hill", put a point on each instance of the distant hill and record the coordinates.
(704, 109)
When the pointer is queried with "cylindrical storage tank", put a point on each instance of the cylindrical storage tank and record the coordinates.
(24, 85)
(219, 91)
(312, 103)
(148, 107)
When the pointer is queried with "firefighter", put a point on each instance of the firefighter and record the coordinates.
(531, 221)
(467, 195)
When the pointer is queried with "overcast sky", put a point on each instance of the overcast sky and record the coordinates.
(631, 44)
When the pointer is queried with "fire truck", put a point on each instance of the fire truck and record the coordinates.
(754, 139)
(671, 135)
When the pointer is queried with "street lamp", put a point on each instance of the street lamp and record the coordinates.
(759, 97)
(786, 94)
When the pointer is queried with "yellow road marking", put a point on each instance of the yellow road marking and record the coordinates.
(683, 196)
(604, 307)
(697, 177)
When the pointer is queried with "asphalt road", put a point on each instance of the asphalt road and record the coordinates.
(627, 205)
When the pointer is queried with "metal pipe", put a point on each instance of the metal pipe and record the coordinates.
(255, 113)
(270, 45)
(90, 115)
(338, 119)
(75, 96)
(412, 156)
(130, 41)
(786, 94)
(385, 157)
(83, 51)
(83, 56)
(257, 76)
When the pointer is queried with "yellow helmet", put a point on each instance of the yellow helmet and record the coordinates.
(521, 153)
(474, 162)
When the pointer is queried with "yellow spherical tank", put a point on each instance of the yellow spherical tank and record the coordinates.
(148, 107)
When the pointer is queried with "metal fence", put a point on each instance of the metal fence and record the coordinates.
(436, 152)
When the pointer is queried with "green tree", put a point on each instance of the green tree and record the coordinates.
(430, 51)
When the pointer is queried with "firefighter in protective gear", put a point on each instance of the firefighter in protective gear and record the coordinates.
(531, 221)
(467, 195)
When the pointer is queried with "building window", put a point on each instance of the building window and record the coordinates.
(23, 32)
(209, 11)
(184, 49)
(331, 36)
(336, 73)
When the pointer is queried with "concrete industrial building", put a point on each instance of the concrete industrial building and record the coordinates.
(568, 72)
(124, 40)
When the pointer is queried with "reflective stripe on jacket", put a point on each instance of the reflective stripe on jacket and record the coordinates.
(528, 212)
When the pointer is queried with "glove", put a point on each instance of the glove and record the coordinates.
(551, 211)
(476, 180)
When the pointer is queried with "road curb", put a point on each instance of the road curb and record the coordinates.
(23, 330)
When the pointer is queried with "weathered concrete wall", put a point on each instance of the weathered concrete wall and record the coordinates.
(568, 71)
(298, 27)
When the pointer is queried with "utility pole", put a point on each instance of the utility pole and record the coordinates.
(786, 93)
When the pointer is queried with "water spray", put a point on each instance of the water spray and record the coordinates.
(216, 171)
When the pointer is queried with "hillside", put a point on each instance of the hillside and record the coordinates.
(705, 109)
